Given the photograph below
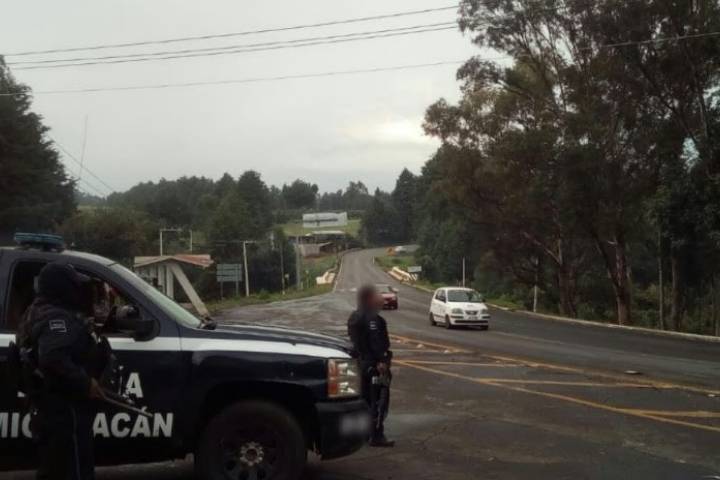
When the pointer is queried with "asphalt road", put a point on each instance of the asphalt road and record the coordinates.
(529, 399)
(540, 339)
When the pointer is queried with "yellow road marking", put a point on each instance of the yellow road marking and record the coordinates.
(672, 413)
(565, 383)
(465, 364)
(552, 366)
(566, 398)
(415, 350)
(432, 344)
(649, 383)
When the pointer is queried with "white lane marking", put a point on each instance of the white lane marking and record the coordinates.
(168, 344)
(339, 275)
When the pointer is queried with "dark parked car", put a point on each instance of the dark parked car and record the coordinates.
(389, 294)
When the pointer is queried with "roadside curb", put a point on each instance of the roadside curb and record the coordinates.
(340, 256)
(507, 309)
(589, 323)
(416, 287)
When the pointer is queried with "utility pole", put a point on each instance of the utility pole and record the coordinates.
(297, 261)
(463, 271)
(82, 153)
(535, 287)
(245, 267)
(661, 286)
(161, 236)
(282, 268)
(191, 245)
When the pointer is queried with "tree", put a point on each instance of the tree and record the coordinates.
(117, 233)
(229, 226)
(35, 190)
(380, 220)
(566, 85)
(356, 196)
(224, 185)
(300, 194)
(403, 198)
(256, 196)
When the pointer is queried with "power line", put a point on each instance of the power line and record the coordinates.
(320, 74)
(656, 40)
(244, 80)
(233, 47)
(236, 34)
(237, 51)
(90, 185)
(82, 167)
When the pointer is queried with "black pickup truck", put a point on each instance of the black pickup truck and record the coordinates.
(246, 401)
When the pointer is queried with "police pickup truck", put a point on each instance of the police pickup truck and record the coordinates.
(248, 402)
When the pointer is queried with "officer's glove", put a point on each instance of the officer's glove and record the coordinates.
(96, 392)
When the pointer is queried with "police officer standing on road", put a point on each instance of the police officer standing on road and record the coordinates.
(57, 347)
(369, 335)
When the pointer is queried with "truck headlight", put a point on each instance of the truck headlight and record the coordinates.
(342, 378)
(457, 311)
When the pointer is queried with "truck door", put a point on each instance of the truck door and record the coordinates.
(151, 375)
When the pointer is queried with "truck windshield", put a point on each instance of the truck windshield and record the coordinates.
(167, 304)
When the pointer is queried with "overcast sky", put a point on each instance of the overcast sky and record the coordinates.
(326, 130)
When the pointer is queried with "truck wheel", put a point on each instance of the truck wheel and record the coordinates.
(251, 440)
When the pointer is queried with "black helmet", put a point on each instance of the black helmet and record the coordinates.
(59, 283)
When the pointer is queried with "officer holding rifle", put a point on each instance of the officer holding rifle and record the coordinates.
(61, 361)
(369, 335)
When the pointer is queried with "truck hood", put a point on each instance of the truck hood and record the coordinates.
(275, 334)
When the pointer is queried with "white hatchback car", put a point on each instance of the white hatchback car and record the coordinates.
(455, 306)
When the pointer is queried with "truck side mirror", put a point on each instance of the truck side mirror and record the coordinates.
(129, 319)
(144, 329)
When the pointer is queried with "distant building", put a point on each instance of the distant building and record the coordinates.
(325, 219)
(322, 242)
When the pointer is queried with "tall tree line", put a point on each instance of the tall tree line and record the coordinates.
(36, 193)
(585, 163)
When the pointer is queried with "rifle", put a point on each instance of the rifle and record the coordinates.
(109, 372)
(382, 383)
(124, 403)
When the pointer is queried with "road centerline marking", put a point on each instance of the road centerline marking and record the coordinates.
(464, 364)
(566, 398)
(596, 373)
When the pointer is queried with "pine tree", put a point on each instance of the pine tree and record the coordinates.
(35, 191)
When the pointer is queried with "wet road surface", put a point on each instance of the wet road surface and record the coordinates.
(531, 398)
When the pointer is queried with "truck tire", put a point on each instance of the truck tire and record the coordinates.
(251, 440)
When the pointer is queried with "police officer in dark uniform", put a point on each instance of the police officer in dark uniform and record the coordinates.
(57, 349)
(369, 335)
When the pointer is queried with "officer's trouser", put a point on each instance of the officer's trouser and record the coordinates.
(378, 399)
(63, 431)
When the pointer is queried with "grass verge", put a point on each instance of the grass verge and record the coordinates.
(264, 297)
(389, 261)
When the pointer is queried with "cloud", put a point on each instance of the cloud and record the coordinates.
(390, 130)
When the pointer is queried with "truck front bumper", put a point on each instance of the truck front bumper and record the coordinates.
(344, 427)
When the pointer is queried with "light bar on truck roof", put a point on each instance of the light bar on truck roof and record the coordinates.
(42, 241)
